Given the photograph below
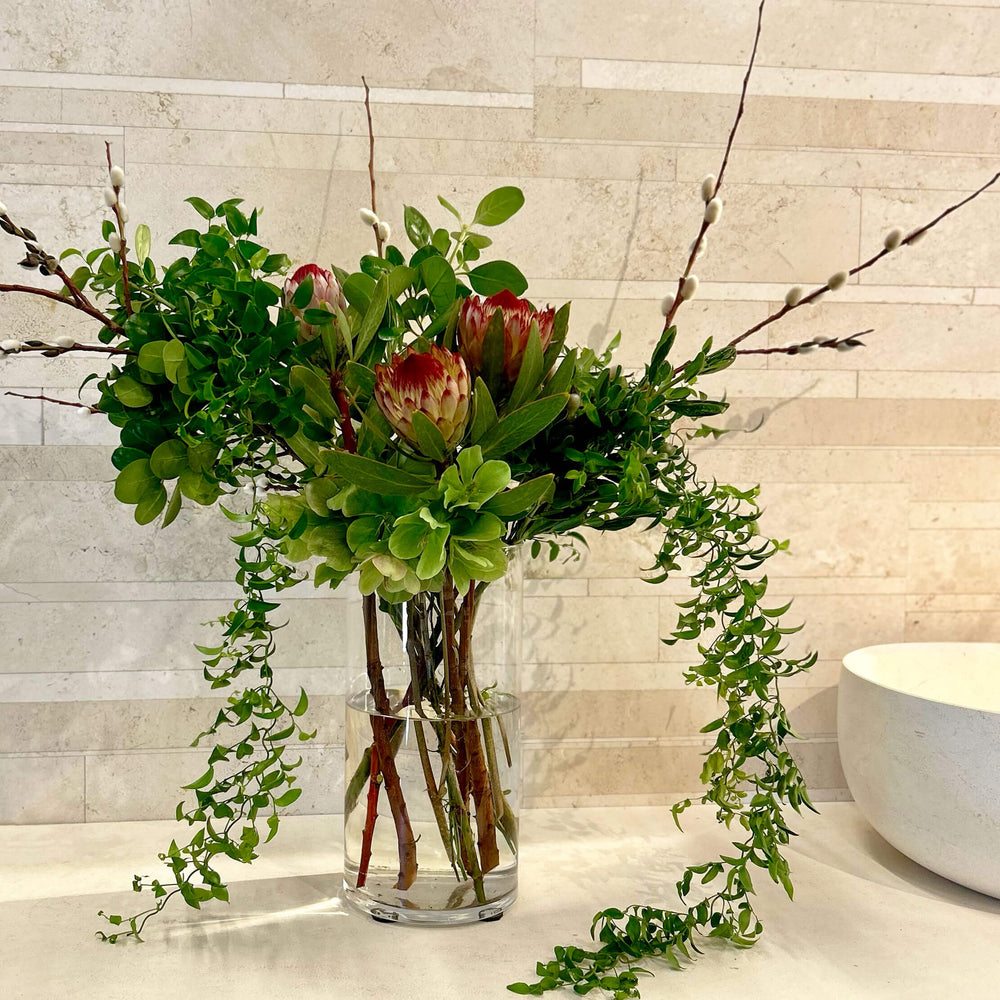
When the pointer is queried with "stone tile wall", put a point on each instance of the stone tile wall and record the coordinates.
(879, 465)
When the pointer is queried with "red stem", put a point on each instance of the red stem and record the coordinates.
(372, 813)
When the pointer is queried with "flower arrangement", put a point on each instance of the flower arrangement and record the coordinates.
(410, 425)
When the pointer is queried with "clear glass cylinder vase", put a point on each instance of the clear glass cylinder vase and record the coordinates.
(433, 759)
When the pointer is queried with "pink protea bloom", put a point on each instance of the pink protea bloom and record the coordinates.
(435, 383)
(327, 295)
(518, 314)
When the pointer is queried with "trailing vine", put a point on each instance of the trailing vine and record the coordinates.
(232, 809)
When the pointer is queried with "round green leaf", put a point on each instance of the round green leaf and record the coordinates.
(173, 355)
(498, 206)
(169, 459)
(151, 356)
(496, 275)
(135, 481)
(132, 393)
(150, 505)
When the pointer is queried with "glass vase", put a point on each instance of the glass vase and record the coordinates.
(433, 776)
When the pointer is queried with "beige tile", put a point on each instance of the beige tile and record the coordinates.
(607, 554)
(43, 150)
(953, 560)
(29, 104)
(198, 111)
(837, 529)
(841, 35)
(43, 789)
(720, 459)
(134, 725)
(864, 422)
(959, 251)
(929, 385)
(985, 514)
(20, 419)
(557, 71)
(705, 119)
(636, 773)
(428, 155)
(56, 462)
(939, 340)
(594, 321)
(965, 474)
(434, 47)
(78, 531)
(562, 629)
(838, 168)
(952, 626)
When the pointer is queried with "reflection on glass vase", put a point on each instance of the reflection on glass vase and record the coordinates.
(432, 779)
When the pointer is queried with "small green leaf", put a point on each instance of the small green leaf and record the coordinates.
(316, 389)
(303, 703)
(530, 375)
(512, 430)
(429, 438)
(484, 413)
(439, 279)
(173, 357)
(376, 477)
(522, 498)
(202, 207)
(495, 276)
(418, 229)
(204, 780)
(373, 317)
(143, 241)
(149, 507)
(173, 506)
(132, 393)
(151, 356)
(451, 208)
(288, 798)
(169, 459)
(498, 206)
(134, 481)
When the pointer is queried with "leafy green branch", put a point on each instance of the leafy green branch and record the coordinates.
(231, 809)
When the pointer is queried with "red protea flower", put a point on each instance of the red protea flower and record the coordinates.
(518, 315)
(435, 383)
(327, 294)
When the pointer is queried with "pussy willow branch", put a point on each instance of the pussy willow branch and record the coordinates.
(696, 246)
(371, 162)
(122, 248)
(49, 399)
(35, 348)
(906, 241)
(808, 345)
(76, 303)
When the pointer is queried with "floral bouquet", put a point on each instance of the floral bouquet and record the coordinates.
(405, 428)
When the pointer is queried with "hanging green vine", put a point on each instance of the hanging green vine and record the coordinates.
(232, 809)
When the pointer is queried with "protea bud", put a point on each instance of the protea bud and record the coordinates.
(518, 315)
(326, 295)
(434, 383)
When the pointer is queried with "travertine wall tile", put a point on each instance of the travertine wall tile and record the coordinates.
(431, 48)
(41, 789)
(836, 34)
(879, 465)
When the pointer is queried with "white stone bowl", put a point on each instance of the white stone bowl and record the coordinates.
(919, 728)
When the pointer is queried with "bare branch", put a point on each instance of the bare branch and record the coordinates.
(371, 163)
(83, 306)
(696, 246)
(840, 343)
(122, 248)
(49, 399)
(905, 241)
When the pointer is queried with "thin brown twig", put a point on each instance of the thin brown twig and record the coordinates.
(807, 345)
(371, 163)
(83, 306)
(912, 237)
(122, 248)
(696, 246)
(50, 399)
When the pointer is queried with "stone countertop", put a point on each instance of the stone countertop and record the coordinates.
(866, 922)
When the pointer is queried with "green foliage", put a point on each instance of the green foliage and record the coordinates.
(236, 803)
(216, 383)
